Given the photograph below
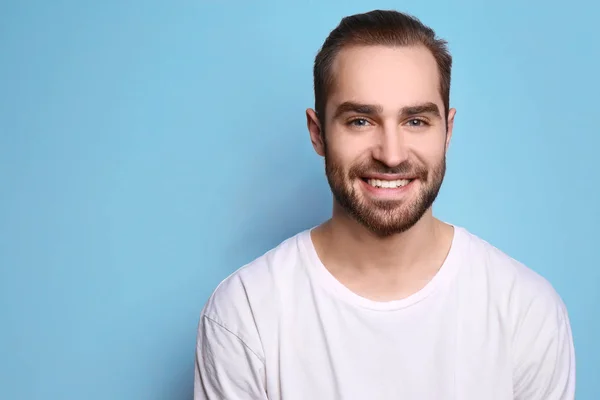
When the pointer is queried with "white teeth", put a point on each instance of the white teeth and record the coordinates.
(388, 184)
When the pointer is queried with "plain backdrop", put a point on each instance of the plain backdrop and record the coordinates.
(148, 149)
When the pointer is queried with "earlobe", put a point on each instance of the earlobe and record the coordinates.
(315, 131)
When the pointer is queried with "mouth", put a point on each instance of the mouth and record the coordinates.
(387, 187)
(387, 183)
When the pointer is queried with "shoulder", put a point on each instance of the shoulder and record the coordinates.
(518, 291)
(253, 289)
(534, 319)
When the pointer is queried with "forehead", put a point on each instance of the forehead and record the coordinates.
(392, 77)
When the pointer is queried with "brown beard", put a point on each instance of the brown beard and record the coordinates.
(384, 217)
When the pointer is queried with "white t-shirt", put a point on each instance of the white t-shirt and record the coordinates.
(485, 327)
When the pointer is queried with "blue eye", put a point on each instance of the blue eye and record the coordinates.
(417, 123)
(359, 122)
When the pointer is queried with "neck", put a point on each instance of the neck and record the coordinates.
(382, 267)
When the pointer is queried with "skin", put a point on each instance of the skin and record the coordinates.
(384, 118)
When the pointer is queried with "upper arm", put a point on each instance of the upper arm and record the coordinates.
(226, 367)
(544, 366)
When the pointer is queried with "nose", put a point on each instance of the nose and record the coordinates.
(391, 147)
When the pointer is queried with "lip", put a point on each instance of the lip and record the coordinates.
(388, 177)
(387, 193)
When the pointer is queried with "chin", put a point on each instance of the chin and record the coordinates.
(395, 219)
(384, 230)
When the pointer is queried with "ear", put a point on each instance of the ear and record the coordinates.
(316, 133)
(450, 126)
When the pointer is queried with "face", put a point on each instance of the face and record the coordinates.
(384, 136)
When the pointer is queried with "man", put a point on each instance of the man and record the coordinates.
(384, 301)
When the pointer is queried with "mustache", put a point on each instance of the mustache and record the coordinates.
(377, 167)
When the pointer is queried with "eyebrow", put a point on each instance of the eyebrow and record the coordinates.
(372, 109)
(425, 108)
(352, 107)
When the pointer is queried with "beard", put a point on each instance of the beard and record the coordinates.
(384, 217)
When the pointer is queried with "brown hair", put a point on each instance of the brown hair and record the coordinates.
(378, 27)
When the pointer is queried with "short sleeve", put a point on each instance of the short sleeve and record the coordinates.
(226, 368)
(544, 366)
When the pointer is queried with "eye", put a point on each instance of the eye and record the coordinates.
(417, 123)
(359, 122)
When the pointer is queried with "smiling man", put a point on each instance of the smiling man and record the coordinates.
(383, 300)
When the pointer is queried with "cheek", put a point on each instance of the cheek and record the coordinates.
(345, 151)
(431, 151)
(438, 154)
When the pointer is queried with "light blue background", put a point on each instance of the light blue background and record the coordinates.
(148, 149)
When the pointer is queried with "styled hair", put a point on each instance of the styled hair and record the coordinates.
(378, 27)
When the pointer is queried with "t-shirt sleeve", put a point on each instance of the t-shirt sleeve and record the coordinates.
(226, 368)
(544, 366)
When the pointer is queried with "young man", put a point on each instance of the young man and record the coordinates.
(384, 301)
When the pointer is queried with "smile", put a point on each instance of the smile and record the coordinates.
(388, 184)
